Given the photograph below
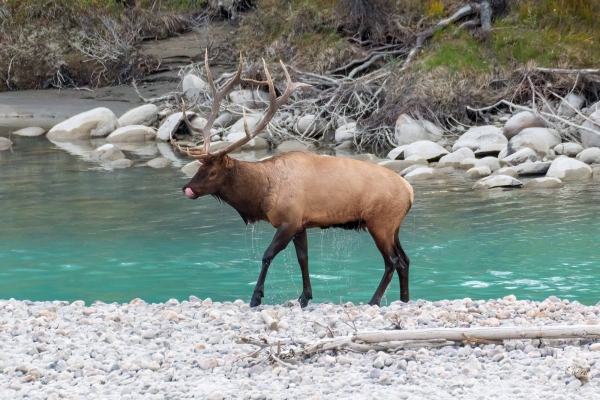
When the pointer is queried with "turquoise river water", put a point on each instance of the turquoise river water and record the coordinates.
(71, 230)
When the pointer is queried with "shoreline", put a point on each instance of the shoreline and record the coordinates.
(217, 350)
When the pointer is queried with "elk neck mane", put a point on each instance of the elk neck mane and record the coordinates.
(247, 189)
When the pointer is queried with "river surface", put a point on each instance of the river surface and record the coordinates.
(71, 229)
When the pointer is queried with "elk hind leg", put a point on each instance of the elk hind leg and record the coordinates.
(282, 238)
(385, 245)
(301, 244)
(401, 263)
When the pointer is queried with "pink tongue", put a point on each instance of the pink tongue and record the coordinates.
(189, 193)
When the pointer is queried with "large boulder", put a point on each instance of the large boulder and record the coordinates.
(568, 149)
(455, 158)
(309, 125)
(497, 181)
(409, 130)
(425, 149)
(171, 124)
(590, 156)
(520, 157)
(520, 121)
(544, 183)
(345, 132)
(477, 172)
(143, 115)
(107, 153)
(30, 132)
(591, 139)
(98, 122)
(479, 136)
(132, 133)
(539, 140)
(5, 143)
(532, 168)
(571, 103)
(569, 169)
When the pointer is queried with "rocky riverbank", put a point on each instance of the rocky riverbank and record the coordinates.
(211, 350)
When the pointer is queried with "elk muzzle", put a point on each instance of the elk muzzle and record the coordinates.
(190, 193)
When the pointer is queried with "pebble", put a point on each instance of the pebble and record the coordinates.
(191, 348)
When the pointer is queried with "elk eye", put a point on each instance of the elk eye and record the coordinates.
(213, 173)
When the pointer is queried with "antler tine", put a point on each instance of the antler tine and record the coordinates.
(274, 104)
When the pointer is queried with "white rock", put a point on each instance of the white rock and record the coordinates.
(198, 123)
(497, 181)
(491, 162)
(159, 162)
(532, 168)
(191, 81)
(171, 124)
(595, 347)
(520, 121)
(539, 140)
(520, 157)
(575, 101)
(477, 172)
(397, 153)
(308, 124)
(132, 133)
(425, 149)
(569, 169)
(216, 396)
(30, 132)
(143, 115)
(98, 122)
(191, 168)
(401, 165)
(590, 156)
(408, 130)
(238, 126)
(5, 143)
(568, 149)
(412, 168)
(420, 174)
(490, 149)
(345, 132)
(544, 183)
(507, 171)
(455, 158)
(591, 139)
(479, 136)
(225, 120)
(249, 98)
(148, 334)
(257, 143)
(292, 145)
(121, 163)
(108, 152)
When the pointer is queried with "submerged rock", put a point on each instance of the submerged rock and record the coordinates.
(5, 143)
(159, 162)
(98, 122)
(30, 132)
(132, 133)
(497, 181)
(108, 152)
(544, 183)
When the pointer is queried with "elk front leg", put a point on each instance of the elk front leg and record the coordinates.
(282, 238)
(301, 244)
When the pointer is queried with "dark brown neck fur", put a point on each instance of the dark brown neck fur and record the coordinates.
(246, 190)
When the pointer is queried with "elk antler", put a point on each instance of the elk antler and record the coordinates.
(219, 95)
(274, 104)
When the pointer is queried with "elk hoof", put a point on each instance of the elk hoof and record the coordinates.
(303, 300)
(374, 303)
(256, 300)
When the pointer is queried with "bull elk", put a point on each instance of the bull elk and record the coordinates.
(296, 191)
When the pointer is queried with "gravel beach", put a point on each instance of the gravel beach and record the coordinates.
(210, 350)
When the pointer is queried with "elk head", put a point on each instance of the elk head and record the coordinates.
(216, 166)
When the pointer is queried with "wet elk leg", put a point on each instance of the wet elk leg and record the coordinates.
(301, 244)
(282, 238)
